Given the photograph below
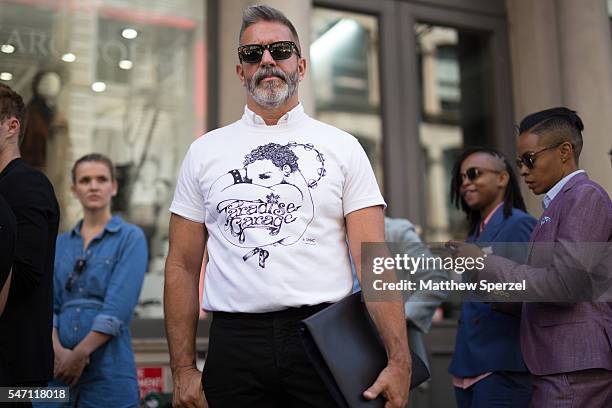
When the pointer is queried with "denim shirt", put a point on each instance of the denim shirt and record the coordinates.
(103, 295)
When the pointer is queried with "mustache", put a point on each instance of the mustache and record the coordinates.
(268, 71)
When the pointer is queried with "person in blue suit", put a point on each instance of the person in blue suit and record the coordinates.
(487, 365)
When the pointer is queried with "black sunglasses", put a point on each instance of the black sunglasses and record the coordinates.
(528, 159)
(474, 172)
(280, 50)
(79, 267)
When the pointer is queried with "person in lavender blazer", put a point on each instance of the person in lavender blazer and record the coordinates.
(567, 344)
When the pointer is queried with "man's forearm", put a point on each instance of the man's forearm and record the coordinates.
(181, 315)
(391, 324)
(367, 225)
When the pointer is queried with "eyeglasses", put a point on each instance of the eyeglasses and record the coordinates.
(79, 267)
(474, 172)
(280, 50)
(528, 159)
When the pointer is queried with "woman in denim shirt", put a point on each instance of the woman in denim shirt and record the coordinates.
(99, 270)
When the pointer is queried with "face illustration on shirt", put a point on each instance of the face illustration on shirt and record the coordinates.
(267, 202)
(266, 173)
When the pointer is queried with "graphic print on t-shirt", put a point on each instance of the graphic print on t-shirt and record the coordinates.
(267, 202)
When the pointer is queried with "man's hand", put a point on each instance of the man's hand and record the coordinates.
(464, 250)
(71, 366)
(188, 388)
(393, 383)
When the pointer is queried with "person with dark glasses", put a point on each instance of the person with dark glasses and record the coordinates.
(272, 198)
(565, 335)
(99, 270)
(487, 364)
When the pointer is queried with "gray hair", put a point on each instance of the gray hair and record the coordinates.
(260, 12)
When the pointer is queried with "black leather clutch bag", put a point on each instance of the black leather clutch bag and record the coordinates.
(344, 346)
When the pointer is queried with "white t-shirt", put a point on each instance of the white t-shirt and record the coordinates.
(273, 199)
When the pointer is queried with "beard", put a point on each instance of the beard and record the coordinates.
(274, 93)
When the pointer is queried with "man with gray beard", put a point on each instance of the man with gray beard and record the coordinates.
(272, 94)
(263, 278)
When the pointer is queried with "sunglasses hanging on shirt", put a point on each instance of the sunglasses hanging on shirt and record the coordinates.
(79, 267)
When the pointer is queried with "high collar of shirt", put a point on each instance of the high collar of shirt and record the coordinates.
(552, 193)
(294, 115)
(113, 225)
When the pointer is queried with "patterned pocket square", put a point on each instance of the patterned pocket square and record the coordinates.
(545, 220)
(487, 250)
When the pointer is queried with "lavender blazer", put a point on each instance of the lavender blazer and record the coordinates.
(562, 337)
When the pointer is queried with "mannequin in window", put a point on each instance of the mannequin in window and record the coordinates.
(41, 120)
(46, 145)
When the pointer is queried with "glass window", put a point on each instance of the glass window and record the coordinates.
(610, 13)
(125, 78)
(455, 111)
(344, 61)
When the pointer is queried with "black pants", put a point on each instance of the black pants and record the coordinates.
(257, 360)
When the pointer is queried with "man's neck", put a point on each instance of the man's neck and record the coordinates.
(272, 116)
(8, 155)
(568, 170)
(565, 171)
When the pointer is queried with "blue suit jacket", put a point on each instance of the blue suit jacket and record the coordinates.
(488, 340)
